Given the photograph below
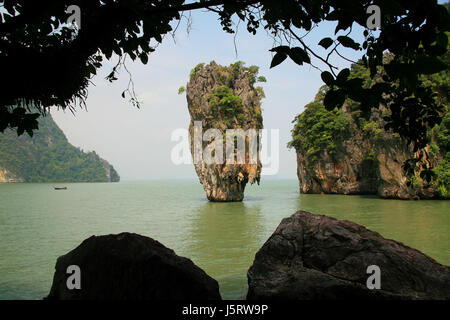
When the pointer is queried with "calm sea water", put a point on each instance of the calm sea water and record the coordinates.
(38, 224)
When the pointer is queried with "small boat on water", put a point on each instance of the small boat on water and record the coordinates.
(60, 188)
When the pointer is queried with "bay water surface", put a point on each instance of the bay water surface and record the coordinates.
(38, 224)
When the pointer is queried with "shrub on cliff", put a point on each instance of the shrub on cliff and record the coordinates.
(318, 129)
(441, 135)
(223, 103)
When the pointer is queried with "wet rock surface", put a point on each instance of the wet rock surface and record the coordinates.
(317, 257)
(129, 266)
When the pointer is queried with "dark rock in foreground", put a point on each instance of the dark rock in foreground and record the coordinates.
(129, 266)
(317, 257)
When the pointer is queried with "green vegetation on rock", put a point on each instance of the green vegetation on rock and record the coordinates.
(181, 90)
(49, 157)
(229, 74)
(440, 135)
(224, 104)
(441, 139)
(317, 129)
(195, 69)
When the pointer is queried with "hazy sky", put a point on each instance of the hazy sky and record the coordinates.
(138, 141)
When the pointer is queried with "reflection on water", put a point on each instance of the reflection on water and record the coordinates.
(224, 232)
(38, 224)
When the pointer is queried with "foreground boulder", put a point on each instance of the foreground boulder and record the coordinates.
(130, 266)
(317, 257)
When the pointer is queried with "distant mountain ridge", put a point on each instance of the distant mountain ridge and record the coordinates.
(49, 157)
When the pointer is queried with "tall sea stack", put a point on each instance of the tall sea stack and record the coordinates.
(224, 98)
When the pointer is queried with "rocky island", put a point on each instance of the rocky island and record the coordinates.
(49, 157)
(225, 98)
(349, 151)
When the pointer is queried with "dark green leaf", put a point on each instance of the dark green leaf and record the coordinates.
(343, 24)
(429, 65)
(283, 49)
(297, 22)
(144, 58)
(307, 24)
(334, 15)
(348, 42)
(333, 99)
(326, 42)
(158, 37)
(92, 69)
(327, 77)
(298, 55)
(355, 83)
(107, 51)
(278, 58)
(342, 76)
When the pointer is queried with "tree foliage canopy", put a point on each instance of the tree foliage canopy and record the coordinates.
(47, 63)
(223, 104)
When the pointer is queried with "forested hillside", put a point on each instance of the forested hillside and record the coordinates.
(49, 157)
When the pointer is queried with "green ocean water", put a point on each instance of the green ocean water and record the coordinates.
(38, 224)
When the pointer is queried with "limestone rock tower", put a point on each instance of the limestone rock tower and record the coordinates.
(221, 98)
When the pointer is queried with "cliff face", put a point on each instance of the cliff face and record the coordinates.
(224, 98)
(366, 160)
(6, 176)
(49, 157)
(348, 151)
